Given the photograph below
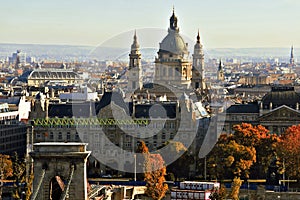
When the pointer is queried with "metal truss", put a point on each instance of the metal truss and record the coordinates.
(67, 122)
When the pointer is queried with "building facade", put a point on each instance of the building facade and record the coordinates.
(12, 132)
(155, 113)
(277, 110)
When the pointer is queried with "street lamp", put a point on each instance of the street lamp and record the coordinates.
(134, 167)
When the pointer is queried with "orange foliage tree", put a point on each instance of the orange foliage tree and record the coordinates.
(154, 173)
(6, 169)
(264, 143)
(237, 158)
(248, 149)
(289, 151)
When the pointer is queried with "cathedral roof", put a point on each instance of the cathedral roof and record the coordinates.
(173, 43)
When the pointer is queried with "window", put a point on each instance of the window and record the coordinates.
(155, 144)
(170, 72)
(164, 72)
(51, 135)
(68, 136)
(172, 136)
(172, 125)
(128, 144)
(60, 135)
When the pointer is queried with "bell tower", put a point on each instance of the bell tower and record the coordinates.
(220, 74)
(135, 78)
(292, 61)
(198, 66)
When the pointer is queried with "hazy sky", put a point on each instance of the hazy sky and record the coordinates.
(222, 23)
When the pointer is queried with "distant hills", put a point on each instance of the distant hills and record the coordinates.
(83, 53)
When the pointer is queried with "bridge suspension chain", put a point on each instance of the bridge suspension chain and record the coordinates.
(39, 185)
(66, 191)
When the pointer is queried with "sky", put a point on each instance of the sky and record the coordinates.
(222, 24)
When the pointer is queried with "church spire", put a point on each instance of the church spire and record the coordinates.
(134, 72)
(292, 61)
(198, 37)
(198, 81)
(173, 22)
(220, 74)
(220, 65)
(135, 45)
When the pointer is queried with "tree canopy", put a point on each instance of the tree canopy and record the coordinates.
(154, 173)
(289, 151)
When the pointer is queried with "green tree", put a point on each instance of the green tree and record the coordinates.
(154, 173)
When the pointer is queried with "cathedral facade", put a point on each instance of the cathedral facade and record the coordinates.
(172, 63)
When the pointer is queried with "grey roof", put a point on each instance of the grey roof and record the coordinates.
(57, 74)
(155, 111)
(83, 109)
(243, 108)
(281, 96)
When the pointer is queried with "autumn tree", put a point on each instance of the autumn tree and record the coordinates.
(236, 158)
(218, 193)
(19, 173)
(235, 188)
(289, 151)
(6, 169)
(264, 143)
(154, 173)
(249, 149)
(177, 149)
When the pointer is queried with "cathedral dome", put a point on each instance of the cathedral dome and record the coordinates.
(173, 43)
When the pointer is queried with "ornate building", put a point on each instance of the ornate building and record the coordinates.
(156, 113)
(172, 65)
(135, 79)
(277, 110)
(42, 77)
(198, 66)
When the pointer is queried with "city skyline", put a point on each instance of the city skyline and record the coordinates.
(230, 24)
